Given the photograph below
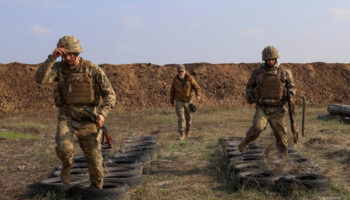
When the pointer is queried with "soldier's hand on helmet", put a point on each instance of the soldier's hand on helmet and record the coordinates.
(100, 121)
(59, 51)
(198, 97)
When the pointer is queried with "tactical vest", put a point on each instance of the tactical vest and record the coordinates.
(272, 87)
(75, 88)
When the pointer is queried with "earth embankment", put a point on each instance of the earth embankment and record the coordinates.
(144, 85)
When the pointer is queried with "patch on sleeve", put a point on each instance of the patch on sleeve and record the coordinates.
(106, 81)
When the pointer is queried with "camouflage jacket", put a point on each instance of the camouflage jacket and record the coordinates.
(50, 71)
(256, 79)
(183, 93)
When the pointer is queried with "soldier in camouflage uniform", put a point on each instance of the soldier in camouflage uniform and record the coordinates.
(81, 84)
(269, 87)
(181, 92)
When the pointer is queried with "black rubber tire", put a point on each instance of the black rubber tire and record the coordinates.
(258, 178)
(223, 140)
(140, 156)
(142, 142)
(148, 145)
(110, 169)
(247, 158)
(303, 160)
(233, 163)
(233, 154)
(79, 159)
(314, 181)
(121, 173)
(125, 163)
(148, 151)
(247, 155)
(235, 170)
(231, 149)
(110, 190)
(133, 181)
(74, 171)
(74, 165)
(229, 144)
(253, 146)
(252, 151)
(55, 184)
(105, 151)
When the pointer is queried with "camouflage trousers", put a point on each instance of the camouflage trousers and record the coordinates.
(183, 115)
(89, 140)
(276, 119)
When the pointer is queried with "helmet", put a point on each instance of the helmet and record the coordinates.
(70, 43)
(270, 52)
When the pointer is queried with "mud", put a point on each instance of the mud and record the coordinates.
(143, 85)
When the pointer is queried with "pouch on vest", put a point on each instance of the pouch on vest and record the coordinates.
(79, 89)
(272, 89)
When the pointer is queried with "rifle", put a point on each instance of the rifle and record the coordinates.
(291, 111)
(105, 134)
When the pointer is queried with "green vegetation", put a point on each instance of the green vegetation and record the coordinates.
(190, 169)
(9, 135)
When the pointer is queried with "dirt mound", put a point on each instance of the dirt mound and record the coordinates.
(144, 85)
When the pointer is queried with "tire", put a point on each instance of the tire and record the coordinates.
(125, 163)
(74, 165)
(105, 152)
(79, 159)
(314, 181)
(303, 160)
(232, 144)
(121, 173)
(231, 149)
(75, 172)
(258, 178)
(148, 145)
(233, 154)
(142, 142)
(246, 158)
(140, 139)
(110, 169)
(233, 163)
(252, 151)
(253, 146)
(132, 181)
(110, 190)
(153, 153)
(247, 167)
(141, 156)
(55, 184)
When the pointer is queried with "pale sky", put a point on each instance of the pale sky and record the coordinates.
(177, 31)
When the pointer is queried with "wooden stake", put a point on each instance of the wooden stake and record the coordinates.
(303, 120)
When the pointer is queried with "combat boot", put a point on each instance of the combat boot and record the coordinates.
(242, 146)
(182, 136)
(188, 133)
(65, 174)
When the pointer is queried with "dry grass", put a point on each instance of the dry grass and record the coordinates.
(191, 169)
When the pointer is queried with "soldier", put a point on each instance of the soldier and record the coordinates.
(269, 87)
(181, 92)
(81, 84)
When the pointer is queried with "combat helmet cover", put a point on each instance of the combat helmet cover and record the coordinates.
(70, 43)
(270, 53)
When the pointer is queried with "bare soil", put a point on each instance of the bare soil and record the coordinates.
(184, 170)
(144, 85)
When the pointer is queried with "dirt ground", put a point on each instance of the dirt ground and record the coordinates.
(147, 85)
(184, 170)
